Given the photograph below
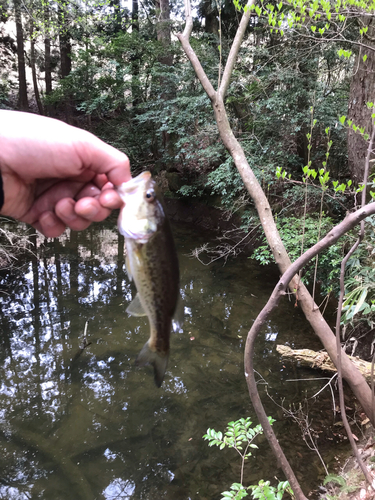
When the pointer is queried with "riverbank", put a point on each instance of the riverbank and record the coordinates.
(349, 482)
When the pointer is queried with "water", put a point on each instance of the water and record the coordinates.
(89, 425)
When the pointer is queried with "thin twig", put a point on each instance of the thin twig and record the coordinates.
(338, 322)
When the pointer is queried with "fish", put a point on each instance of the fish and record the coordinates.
(152, 264)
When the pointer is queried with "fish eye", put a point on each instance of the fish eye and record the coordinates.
(150, 195)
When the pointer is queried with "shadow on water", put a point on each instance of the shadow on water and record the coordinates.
(94, 427)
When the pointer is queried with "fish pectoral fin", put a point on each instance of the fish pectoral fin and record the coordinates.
(178, 317)
(159, 362)
(127, 265)
(135, 307)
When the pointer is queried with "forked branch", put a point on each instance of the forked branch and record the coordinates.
(279, 291)
(312, 313)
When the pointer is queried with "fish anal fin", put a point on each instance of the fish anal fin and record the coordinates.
(135, 307)
(158, 361)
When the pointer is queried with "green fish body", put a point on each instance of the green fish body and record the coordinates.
(153, 265)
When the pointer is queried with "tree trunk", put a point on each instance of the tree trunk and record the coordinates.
(64, 39)
(361, 91)
(47, 52)
(209, 12)
(116, 6)
(311, 310)
(167, 92)
(163, 29)
(23, 103)
(135, 60)
(47, 65)
(135, 15)
(33, 68)
(65, 54)
(351, 374)
(320, 360)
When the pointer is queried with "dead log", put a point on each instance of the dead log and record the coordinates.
(320, 360)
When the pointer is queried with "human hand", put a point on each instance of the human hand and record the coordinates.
(55, 175)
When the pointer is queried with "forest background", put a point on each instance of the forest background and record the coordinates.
(300, 97)
(299, 101)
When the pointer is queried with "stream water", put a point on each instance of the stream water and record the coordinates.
(89, 425)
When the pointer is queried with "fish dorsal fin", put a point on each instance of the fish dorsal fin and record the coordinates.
(135, 307)
(178, 317)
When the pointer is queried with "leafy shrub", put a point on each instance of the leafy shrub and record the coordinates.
(291, 232)
(240, 436)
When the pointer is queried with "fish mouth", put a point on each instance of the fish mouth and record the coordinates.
(133, 184)
(139, 237)
(140, 230)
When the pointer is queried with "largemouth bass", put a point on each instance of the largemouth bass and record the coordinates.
(153, 265)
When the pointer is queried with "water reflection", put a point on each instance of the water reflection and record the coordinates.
(88, 425)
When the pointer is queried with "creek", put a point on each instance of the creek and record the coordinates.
(87, 424)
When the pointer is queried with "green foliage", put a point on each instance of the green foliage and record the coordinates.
(333, 478)
(4, 95)
(342, 484)
(264, 491)
(190, 191)
(226, 182)
(239, 436)
(356, 128)
(291, 232)
(237, 492)
(359, 300)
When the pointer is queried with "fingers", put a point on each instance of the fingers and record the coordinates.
(79, 215)
(69, 213)
(102, 158)
(80, 205)
(49, 225)
(91, 210)
(110, 198)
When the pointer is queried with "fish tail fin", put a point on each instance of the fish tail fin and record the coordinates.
(146, 356)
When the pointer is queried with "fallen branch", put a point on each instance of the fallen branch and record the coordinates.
(321, 360)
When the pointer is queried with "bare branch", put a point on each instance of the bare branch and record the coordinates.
(338, 319)
(348, 223)
(232, 57)
(313, 315)
(184, 39)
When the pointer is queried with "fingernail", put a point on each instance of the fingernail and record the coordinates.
(88, 211)
(92, 212)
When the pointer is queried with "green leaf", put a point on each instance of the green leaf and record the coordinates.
(360, 301)
(364, 58)
(336, 479)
